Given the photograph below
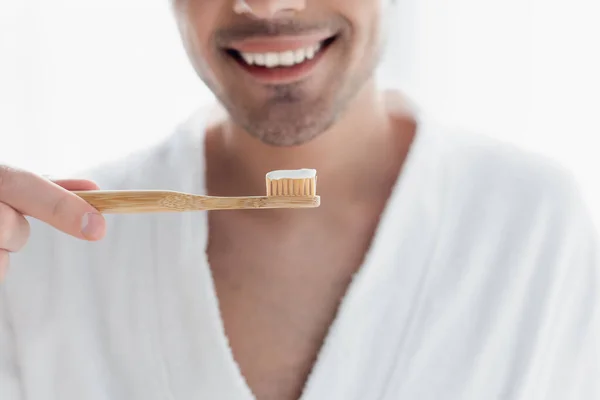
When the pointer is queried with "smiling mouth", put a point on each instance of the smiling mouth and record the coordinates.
(281, 59)
(280, 64)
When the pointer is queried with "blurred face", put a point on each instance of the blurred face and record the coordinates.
(285, 70)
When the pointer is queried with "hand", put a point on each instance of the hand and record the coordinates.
(25, 194)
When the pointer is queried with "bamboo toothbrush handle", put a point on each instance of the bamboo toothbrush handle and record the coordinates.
(148, 201)
(128, 201)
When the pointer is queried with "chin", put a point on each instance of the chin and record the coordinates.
(290, 125)
(287, 134)
(282, 119)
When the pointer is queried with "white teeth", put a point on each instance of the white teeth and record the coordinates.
(283, 59)
(287, 59)
(272, 60)
(299, 56)
(249, 58)
(259, 59)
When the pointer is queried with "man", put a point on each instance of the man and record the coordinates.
(440, 265)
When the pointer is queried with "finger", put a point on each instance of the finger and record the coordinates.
(42, 199)
(14, 229)
(4, 261)
(76, 184)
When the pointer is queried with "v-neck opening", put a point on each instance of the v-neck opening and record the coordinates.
(353, 294)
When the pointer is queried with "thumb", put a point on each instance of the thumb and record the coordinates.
(76, 184)
(79, 185)
(42, 199)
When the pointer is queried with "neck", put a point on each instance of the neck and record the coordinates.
(350, 153)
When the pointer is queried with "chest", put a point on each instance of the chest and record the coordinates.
(279, 291)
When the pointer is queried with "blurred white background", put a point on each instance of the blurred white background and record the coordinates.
(82, 81)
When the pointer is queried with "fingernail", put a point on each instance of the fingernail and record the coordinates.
(92, 226)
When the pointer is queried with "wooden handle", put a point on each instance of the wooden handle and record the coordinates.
(254, 203)
(126, 201)
(149, 201)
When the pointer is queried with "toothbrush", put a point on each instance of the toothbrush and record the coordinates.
(285, 189)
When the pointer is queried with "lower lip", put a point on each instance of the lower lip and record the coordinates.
(283, 75)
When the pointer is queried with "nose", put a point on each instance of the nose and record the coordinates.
(268, 9)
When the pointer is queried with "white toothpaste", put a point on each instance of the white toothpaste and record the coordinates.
(292, 174)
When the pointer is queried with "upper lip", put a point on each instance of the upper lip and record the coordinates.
(267, 44)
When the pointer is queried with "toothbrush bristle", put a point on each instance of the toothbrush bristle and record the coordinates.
(295, 187)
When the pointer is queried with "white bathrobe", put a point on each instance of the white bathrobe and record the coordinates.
(481, 283)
